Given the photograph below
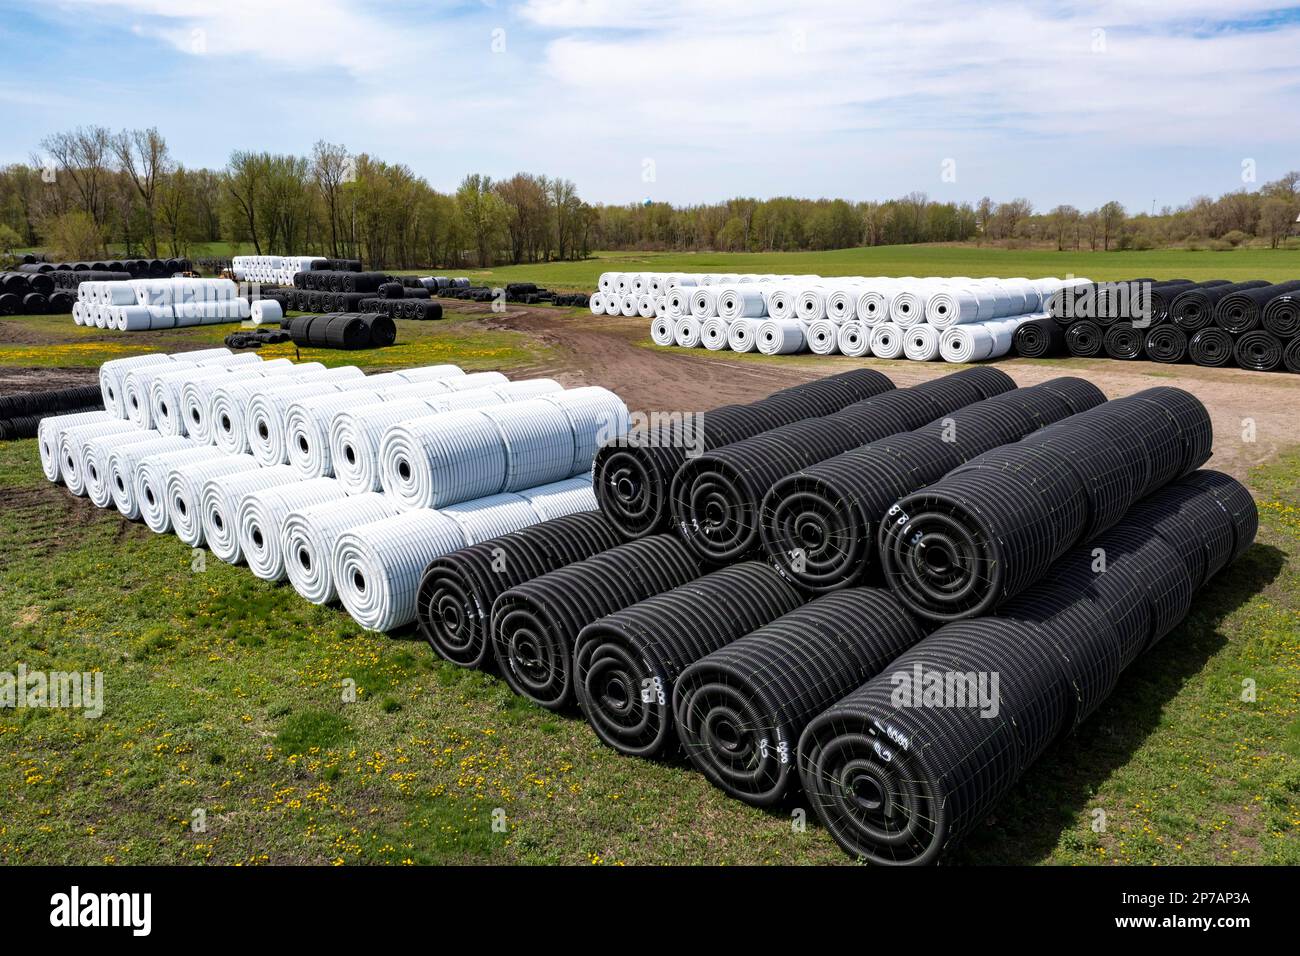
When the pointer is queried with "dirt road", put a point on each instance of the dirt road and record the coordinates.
(1254, 414)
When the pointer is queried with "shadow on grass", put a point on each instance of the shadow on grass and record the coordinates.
(1026, 826)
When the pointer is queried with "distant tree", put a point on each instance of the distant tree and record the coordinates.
(142, 154)
(1277, 219)
(1112, 217)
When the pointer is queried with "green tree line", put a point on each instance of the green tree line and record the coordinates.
(89, 190)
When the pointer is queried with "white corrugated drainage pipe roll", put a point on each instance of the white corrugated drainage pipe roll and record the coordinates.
(887, 340)
(613, 303)
(854, 339)
(110, 378)
(307, 423)
(266, 311)
(308, 535)
(431, 373)
(70, 454)
(509, 391)
(874, 304)
(151, 482)
(742, 335)
(596, 303)
(261, 519)
(981, 340)
(908, 307)
(539, 441)
(606, 281)
(50, 431)
(810, 304)
(645, 305)
(185, 485)
(741, 302)
(561, 498)
(713, 335)
(377, 567)
(781, 302)
(138, 384)
(686, 332)
(595, 415)
(627, 305)
(662, 330)
(124, 461)
(704, 303)
(842, 304)
(266, 426)
(678, 301)
(94, 454)
(921, 343)
(196, 397)
(355, 435)
(822, 336)
(220, 506)
(228, 409)
(492, 516)
(967, 343)
(475, 380)
(780, 337)
(165, 410)
(957, 307)
(443, 459)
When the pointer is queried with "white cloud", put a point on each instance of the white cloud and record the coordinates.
(818, 97)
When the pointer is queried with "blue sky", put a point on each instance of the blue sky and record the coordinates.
(1081, 102)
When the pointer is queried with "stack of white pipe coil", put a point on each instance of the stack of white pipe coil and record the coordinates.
(855, 316)
(327, 537)
(141, 305)
(279, 270)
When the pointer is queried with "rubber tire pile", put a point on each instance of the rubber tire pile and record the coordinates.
(21, 413)
(727, 604)
(1253, 325)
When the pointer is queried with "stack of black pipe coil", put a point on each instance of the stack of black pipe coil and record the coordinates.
(991, 527)
(716, 497)
(632, 474)
(343, 330)
(458, 590)
(416, 309)
(137, 268)
(626, 664)
(21, 413)
(896, 781)
(335, 265)
(339, 280)
(535, 623)
(819, 524)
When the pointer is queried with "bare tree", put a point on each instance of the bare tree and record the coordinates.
(142, 154)
(332, 166)
(83, 156)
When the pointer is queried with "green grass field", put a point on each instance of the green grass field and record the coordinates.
(224, 703)
(935, 259)
(918, 261)
(459, 337)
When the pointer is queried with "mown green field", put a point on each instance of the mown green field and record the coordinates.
(459, 338)
(918, 260)
(928, 260)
